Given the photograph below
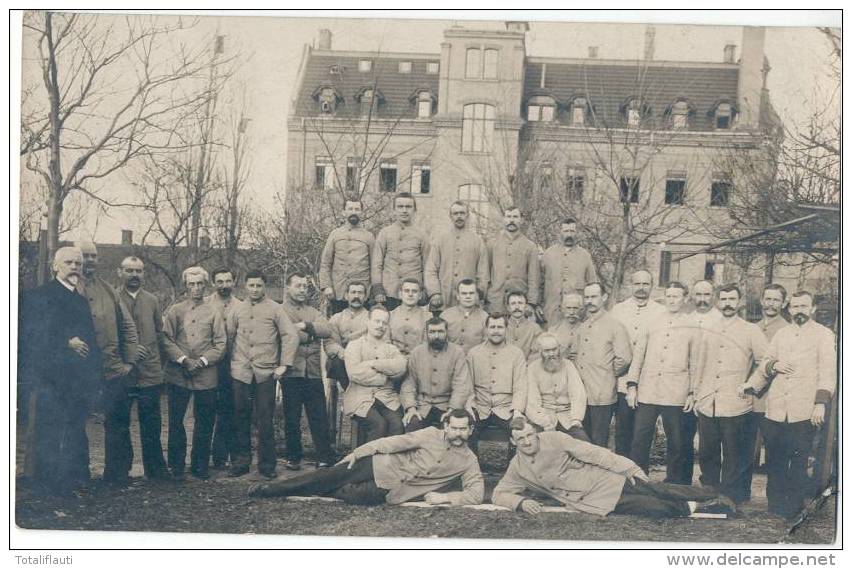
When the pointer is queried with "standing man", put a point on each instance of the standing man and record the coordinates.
(498, 373)
(264, 344)
(59, 351)
(522, 331)
(408, 321)
(566, 267)
(466, 321)
(726, 425)
(118, 343)
(195, 342)
(567, 328)
(146, 379)
(346, 326)
(603, 355)
(457, 255)
(801, 362)
(224, 301)
(556, 399)
(514, 259)
(400, 251)
(437, 379)
(636, 314)
(661, 381)
(346, 256)
(372, 362)
(302, 384)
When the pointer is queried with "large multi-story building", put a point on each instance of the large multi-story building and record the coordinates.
(483, 121)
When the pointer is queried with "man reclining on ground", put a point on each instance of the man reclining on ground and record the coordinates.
(397, 469)
(588, 478)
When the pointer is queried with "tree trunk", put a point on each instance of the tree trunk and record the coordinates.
(55, 190)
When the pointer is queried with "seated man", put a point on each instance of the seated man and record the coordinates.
(397, 469)
(589, 478)
(556, 398)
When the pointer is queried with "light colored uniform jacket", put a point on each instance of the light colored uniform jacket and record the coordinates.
(454, 256)
(555, 398)
(514, 261)
(371, 364)
(499, 378)
(636, 319)
(564, 271)
(194, 331)
(263, 338)
(345, 258)
(148, 318)
(435, 379)
(400, 252)
(603, 354)
(307, 360)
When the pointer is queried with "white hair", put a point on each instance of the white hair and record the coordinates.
(193, 271)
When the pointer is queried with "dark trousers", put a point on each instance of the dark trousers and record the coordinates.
(381, 422)
(61, 446)
(223, 435)
(354, 485)
(596, 423)
(576, 431)
(492, 421)
(264, 403)
(788, 446)
(625, 418)
(307, 392)
(690, 428)
(118, 450)
(432, 419)
(660, 499)
(338, 306)
(204, 411)
(725, 451)
(643, 438)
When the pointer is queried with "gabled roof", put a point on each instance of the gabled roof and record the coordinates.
(609, 84)
(396, 88)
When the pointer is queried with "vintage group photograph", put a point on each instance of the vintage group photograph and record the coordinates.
(511, 276)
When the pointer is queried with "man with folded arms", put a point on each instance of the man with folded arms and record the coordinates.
(437, 379)
(397, 469)
(587, 478)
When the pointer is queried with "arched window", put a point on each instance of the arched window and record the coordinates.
(424, 102)
(680, 115)
(723, 116)
(579, 111)
(541, 109)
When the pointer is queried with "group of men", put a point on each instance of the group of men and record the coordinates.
(451, 345)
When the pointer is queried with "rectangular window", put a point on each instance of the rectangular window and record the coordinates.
(405, 67)
(352, 182)
(424, 108)
(534, 113)
(720, 193)
(473, 63)
(633, 117)
(575, 183)
(669, 269)
(387, 176)
(491, 63)
(714, 268)
(629, 189)
(421, 178)
(324, 173)
(365, 66)
(578, 115)
(675, 189)
(477, 127)
(547, 114)
(432, 67)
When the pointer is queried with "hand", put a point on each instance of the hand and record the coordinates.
(79, 346)
(142, 352)
(125, 370)
(329, 293)
(632, 396)
(784, 367)
(637, 474)
(410, 413)
(348, 460)
(742, 390)
(690, 403)
(279, 372)
(818, 415)
(531, 506)
(436, 498)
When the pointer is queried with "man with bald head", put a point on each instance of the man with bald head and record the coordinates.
(59, 354)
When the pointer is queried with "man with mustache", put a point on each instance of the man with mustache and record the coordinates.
(587, 478)
(636, 313)
(454, 256)
(466, 320)
(119, 345)
(514, 262)
(397, 469)
(603, 355)
(661, 382)
(726, 426)
(348, 325)
(346, 256)
(521, 331)
(146, 380)
(556, 398)
(59, 353)
(566, 267)
(568, 326)
(437, 379)
(801, 363)
(225, 302)
(400, 251)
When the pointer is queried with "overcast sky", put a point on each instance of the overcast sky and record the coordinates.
(273, 47)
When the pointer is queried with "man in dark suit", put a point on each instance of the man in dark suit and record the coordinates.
(60, 352)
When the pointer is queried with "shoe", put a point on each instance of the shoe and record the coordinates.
(720, 505)
(269, 474)
(160, 475)
(324, 465)
(219, 466)
(116, 481)
(237, 471)
(293, 464)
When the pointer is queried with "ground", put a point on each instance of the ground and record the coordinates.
(221, 505)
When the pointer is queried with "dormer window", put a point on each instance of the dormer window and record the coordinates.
(723, 117)
(327, 98)
(405, 67)
(679, 114)
(369, 99)
(424, 102)
(579, 107)
(541, 109)
(634, 111)
(432, 67)
(365, 65)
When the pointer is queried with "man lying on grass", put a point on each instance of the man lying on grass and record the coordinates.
(588, 478)
(397, 469)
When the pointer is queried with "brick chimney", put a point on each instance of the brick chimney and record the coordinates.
(593, 52)
(750, 86)
(126, 237)
(324, 39)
